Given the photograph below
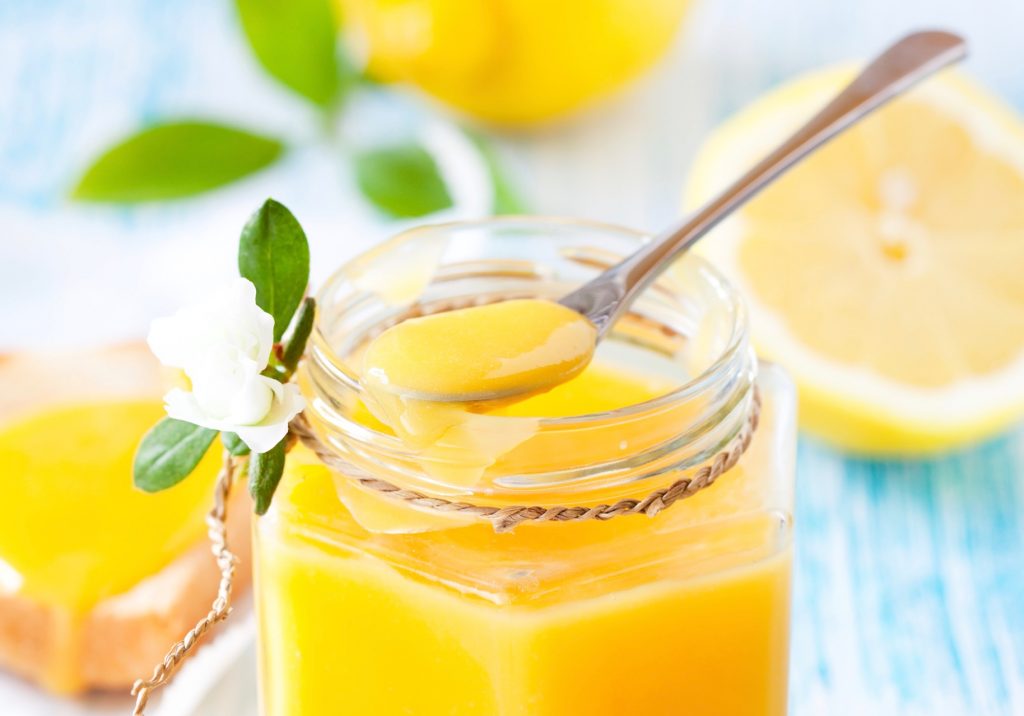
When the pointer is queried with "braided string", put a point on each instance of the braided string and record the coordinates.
(216, 522)
(505, 519)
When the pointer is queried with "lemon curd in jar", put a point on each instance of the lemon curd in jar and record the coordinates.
(368, 605)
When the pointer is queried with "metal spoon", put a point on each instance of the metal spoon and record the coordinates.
(603, 299)
(607, 296)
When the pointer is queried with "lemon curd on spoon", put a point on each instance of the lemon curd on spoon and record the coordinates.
(508, 349)
(428, 377)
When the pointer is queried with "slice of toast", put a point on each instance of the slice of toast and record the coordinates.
(122, 637)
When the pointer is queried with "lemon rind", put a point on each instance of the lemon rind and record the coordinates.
(894, 417)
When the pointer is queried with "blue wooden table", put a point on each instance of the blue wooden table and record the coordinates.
(910, 580)
(910, 591)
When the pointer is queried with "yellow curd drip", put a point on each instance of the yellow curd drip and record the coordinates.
(73, 529)
(368, 607)
(600, 388)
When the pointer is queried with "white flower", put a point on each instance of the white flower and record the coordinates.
(223, 344)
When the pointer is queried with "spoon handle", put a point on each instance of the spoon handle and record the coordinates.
(905, 63)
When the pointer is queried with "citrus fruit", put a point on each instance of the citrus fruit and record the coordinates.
(512, 61)
(884, 271)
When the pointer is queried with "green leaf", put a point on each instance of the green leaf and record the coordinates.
(273, 253)
(169, 453)
(265, 470)
(296, 42)
(507, 199)
(402, 180)
(234, 445)
(174, 160)
(302, 327)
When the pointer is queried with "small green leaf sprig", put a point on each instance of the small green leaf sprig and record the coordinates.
(273, 254)
(296, 43)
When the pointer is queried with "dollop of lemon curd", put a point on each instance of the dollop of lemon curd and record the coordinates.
(517, 347)
(73, 528)
(432, 379)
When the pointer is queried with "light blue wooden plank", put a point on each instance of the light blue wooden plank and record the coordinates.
(931, 553)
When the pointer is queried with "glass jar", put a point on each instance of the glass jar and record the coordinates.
(371, 605)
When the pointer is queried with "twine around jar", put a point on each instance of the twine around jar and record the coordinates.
(506, 519)
(217, 529)
(502, 519)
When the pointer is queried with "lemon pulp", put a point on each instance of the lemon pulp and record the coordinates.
(883, 270)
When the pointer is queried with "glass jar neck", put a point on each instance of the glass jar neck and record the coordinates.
(690, 323)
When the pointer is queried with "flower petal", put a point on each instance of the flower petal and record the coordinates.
(253, 328)
(217, 377)
(288, 402)
(261, 438)
(182, 405)
(251, 405)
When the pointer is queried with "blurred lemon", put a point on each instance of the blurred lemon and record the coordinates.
(884, 271)
(513, 61)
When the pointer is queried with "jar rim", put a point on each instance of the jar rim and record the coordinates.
(733, 347)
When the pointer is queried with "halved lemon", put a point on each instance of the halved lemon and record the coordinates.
(886, 272)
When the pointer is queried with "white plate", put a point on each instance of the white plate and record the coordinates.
(220, 680)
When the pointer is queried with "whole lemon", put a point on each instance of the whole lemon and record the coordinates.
(512, 61)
